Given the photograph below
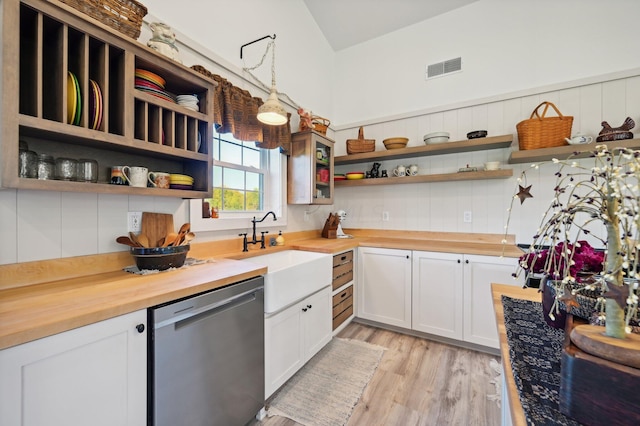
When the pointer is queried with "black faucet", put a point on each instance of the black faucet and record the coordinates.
(254, 240)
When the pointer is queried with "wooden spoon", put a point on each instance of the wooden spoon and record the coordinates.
(134, 239)
(143, 240)
(187, 237)
(169, 239)
(181, 233)
(184, 228)
(126, 241)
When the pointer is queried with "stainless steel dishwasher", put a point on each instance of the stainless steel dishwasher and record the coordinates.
(206, 358)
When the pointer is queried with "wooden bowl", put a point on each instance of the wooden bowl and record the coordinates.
(395, 143)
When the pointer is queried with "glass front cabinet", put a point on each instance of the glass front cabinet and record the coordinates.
(310, 169)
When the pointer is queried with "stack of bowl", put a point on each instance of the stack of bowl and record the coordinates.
(436, 137)
(180, 182)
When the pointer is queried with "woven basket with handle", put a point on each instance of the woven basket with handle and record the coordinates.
(320, 124)
(540, 131)
(124, 16)
(360, 145)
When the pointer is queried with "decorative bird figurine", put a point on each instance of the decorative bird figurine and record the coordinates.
(609, 133)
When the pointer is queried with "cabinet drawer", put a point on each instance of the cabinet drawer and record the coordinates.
(344, 294)
(342, 258)
(342, 306)
(342, 317)
(341, 280)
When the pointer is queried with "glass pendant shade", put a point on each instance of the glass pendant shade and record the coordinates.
(271, 112)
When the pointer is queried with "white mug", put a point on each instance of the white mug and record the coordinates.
(399, 171)
(412, 170)
(136, 176)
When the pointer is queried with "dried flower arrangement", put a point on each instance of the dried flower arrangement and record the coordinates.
(605, 194)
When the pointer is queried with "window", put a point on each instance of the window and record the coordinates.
(239, 172)
(247, 181)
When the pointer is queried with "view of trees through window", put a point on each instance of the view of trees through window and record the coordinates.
(238, 175)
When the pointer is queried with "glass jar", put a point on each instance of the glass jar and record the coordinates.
(27, 162)
(87, 170)
(66, 168)
(46, 167)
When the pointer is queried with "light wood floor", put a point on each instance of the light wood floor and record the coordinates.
(420, 382)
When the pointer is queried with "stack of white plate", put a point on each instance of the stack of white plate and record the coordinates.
(188, 101)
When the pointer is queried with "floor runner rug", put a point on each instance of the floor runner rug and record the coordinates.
(327, 388)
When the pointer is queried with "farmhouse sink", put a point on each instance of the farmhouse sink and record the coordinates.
(292, 275)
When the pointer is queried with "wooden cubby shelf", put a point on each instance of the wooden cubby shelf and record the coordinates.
(563, 152)
(44, 43)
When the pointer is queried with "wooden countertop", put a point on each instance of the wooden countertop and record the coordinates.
(511, 391)
(31, 312)
(38, 299)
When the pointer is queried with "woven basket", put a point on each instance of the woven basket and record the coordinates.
(540, 131)
(320, 124)
(124, 16)
(360, 145)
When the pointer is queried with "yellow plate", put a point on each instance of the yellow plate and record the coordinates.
(354, 176)
(72, 98)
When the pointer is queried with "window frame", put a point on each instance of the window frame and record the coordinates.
(275, 199)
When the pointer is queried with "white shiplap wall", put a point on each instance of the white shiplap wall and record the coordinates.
(440, 206)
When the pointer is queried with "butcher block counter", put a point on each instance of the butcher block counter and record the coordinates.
(42, 298)
(31, 312)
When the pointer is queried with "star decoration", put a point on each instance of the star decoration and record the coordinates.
(569, 299)
(523, 193)
(619, 293)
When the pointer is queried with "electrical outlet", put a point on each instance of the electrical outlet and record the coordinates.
(385, 216)
(466, 217)
(134, 222)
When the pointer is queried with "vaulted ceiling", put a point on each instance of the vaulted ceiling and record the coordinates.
(346, 23)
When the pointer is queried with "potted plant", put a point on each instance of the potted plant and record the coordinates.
(604, 197)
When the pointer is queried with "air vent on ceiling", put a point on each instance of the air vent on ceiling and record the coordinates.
(445, 67)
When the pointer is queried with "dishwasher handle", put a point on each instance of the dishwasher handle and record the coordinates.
(187, 318)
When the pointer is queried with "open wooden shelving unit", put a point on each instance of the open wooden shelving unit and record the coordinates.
(563, 152)
(480, 144)
(444, 177)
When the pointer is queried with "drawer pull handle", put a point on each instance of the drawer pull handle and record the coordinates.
(343, 258)
(343, 294)
(140, 328)
(304, 309)
(309, 306)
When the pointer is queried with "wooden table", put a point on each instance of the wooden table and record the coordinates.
(510, 392)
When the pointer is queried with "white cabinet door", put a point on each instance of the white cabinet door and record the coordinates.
(479, 316)
(437, 293)
(384, 285)
(93, 375)
(284, 348)
(316, 319)
(293, 335)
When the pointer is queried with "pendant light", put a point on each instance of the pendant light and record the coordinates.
(271, 112)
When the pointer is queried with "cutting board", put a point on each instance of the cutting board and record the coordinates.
(156, 226)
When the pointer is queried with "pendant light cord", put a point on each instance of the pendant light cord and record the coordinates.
(271, 45)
